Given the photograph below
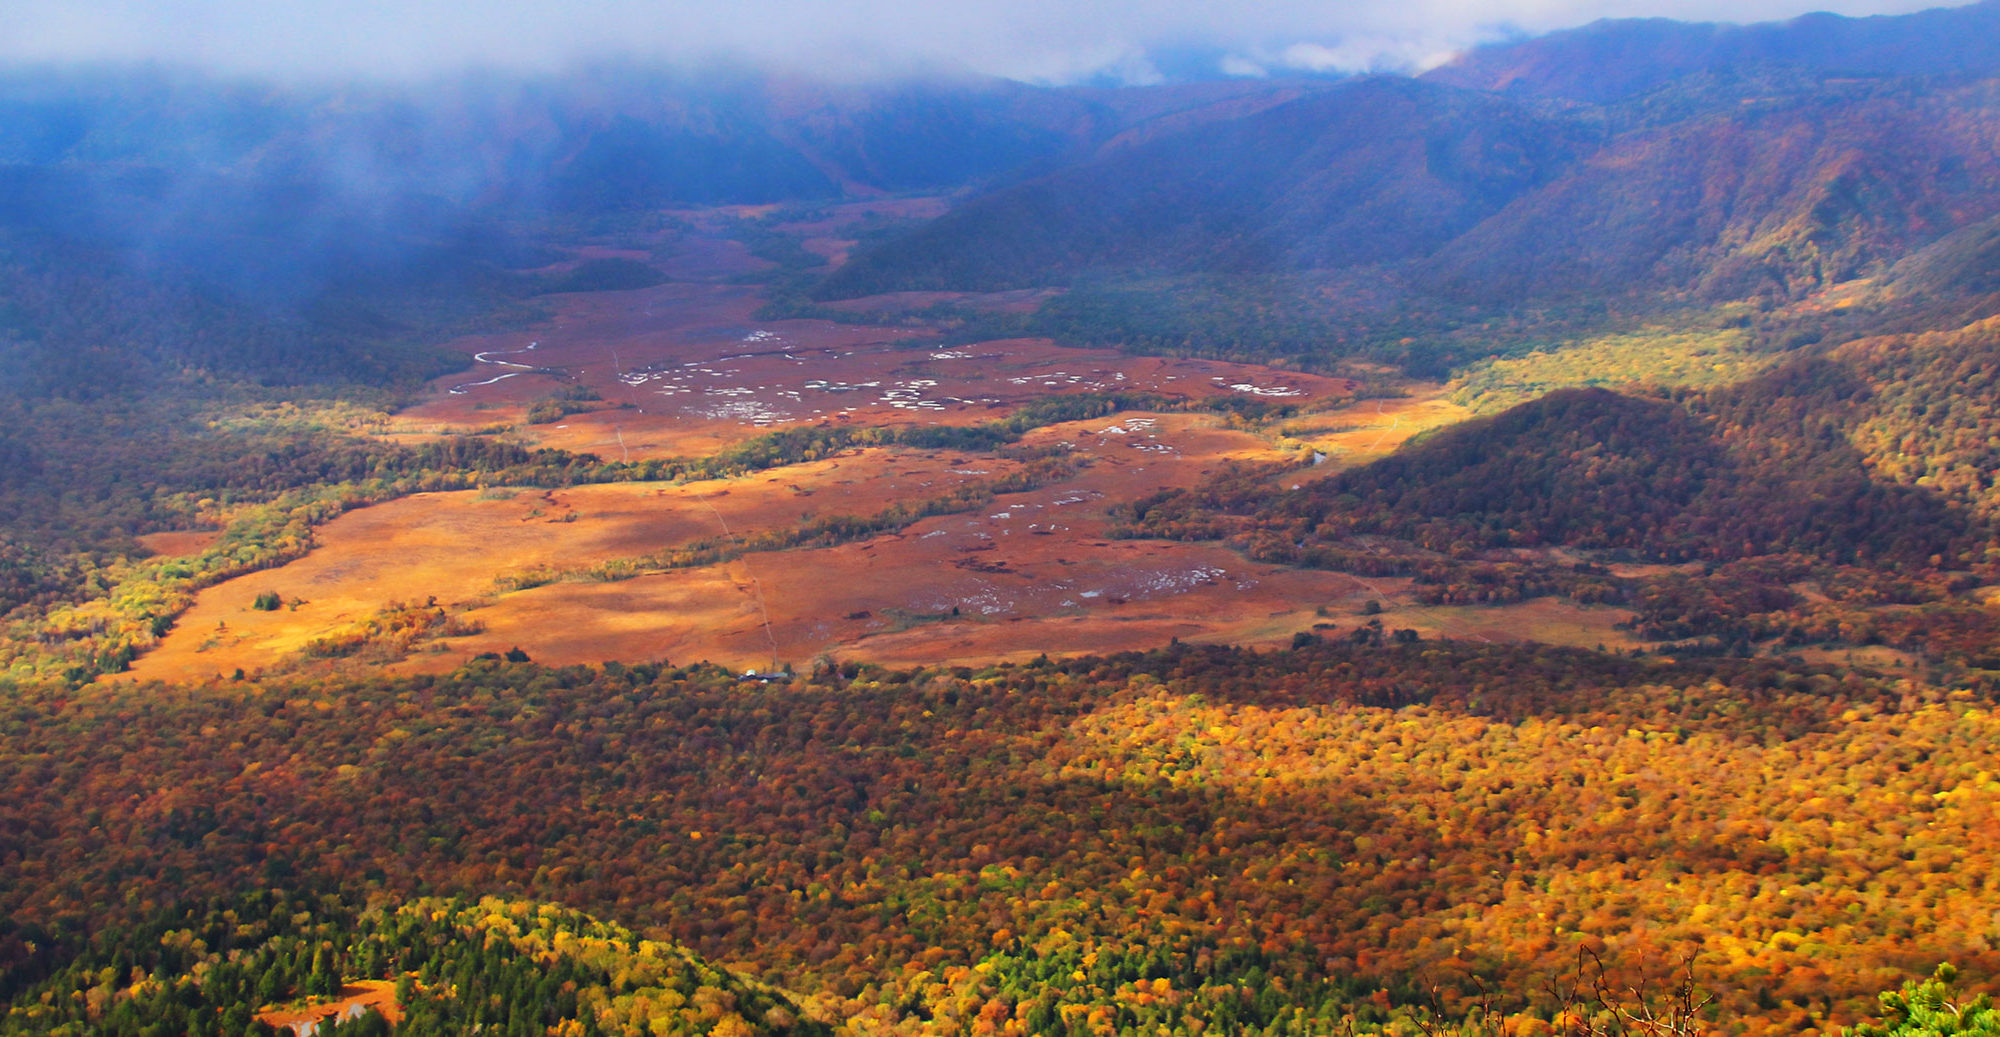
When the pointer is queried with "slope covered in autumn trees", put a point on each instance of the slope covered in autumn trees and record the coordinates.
(1764, 471)
(1290, 838)
(453, 966)
(1840, 498)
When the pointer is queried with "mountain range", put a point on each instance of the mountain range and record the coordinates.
(1716, 162)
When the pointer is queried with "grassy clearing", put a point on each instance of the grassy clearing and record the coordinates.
(1365, 430)
(1694, 355)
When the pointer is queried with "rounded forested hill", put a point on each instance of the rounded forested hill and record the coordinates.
(1758, 469)
(454, 966)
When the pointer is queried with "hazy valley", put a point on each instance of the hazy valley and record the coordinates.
(1510, 549)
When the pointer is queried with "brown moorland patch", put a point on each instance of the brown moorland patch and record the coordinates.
(446, 549)
(1026, 573)
(687, 367)
(177, 542)
(947, 589)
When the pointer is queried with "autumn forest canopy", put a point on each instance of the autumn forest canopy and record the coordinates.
(682, 549)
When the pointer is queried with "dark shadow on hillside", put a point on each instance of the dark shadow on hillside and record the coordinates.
(1763, 468)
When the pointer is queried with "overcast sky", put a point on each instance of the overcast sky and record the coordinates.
(1036, 40)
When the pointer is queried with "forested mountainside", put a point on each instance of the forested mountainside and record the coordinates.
(1777, 197)
(1367, 172)
(1747, 189)
(1591, 468)
(1865, 457)
(453, 967)
(1873, 450)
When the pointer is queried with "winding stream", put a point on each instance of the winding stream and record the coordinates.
(488, 358)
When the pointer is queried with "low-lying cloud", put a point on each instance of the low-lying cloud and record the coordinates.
(1050, 41)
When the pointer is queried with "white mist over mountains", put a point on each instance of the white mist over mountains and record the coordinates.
(1040, 41)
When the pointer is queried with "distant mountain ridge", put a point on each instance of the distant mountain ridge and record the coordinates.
(609, 136)
(1375, 170)
(1615, 59)
(1706, 162)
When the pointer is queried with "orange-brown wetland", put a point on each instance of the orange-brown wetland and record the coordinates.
(363, 995)
(686, 368)
(1025, 573)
